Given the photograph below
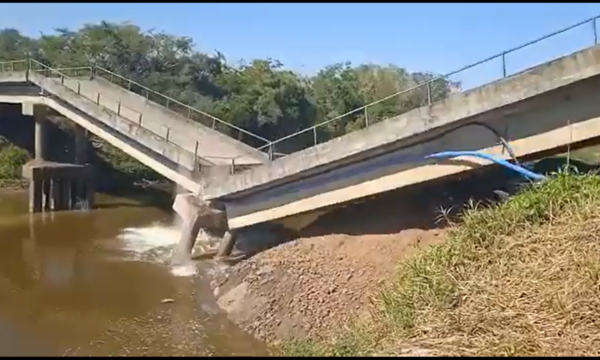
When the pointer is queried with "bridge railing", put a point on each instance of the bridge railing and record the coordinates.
(75, 86)
(425, 89)
(313, 133)
(177, 106)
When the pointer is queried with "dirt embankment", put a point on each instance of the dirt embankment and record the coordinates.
(326, 278)
(312, 285)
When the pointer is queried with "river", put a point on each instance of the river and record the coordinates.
(78, 284)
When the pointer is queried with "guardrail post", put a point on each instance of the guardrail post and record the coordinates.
(196, 156)
(119, 108)
(232, 166)
(429, 93)
(271, 152)
(315, 135)
(92, 72)
(595, 31)
(168, 132)
(78, 88)
(98, 99)
(27, 68)
(366, 116)
(503, 64)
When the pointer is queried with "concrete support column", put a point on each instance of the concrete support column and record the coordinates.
(35, 191)
(195, 214)
(227, 243)
(39, 114)
(182, 255)
(80, 145)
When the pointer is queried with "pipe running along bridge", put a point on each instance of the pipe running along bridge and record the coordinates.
(529, 114)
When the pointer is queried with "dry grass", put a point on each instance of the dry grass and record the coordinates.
(521, 278)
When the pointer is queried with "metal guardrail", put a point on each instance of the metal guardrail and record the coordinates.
(161, 99)
(428, 84)
(173, 105)
(200, 116)
(37, 67)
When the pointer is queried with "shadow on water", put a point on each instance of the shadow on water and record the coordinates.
(68, 288)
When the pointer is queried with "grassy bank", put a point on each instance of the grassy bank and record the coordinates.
(517, 278)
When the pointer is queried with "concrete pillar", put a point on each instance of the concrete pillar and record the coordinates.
(182, 255)
(35, 192)
(80, 145)
(47, 202)
(39, 114)
(90, 188)
(194, 214)
(73, 189)
(65, 194)
(55, 195)
(227, 243)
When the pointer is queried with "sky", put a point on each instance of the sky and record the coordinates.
(306, 37)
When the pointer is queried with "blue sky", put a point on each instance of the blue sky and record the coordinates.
(306, 37)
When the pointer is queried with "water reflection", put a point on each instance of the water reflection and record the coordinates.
(64, 292)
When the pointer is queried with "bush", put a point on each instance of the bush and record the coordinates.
(11, 160)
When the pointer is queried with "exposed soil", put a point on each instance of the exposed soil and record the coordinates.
(325, 278)
(311, 285)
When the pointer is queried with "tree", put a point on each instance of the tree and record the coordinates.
(259, 96)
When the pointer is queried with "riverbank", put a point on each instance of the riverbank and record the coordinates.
(516, 278)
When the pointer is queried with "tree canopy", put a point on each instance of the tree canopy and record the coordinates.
(260, 96)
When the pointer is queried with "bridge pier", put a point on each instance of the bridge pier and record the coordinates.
(41, 126)
(56, 186)
(227, 243)
(196, 214)
(81, 141)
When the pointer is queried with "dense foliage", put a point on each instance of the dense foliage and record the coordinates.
(260, 95)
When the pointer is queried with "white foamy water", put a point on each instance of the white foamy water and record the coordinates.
(143, 239)
(184, 270)
(156, 243)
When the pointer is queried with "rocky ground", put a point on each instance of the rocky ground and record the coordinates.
(312, 285)
(316, 284)
(328, 276)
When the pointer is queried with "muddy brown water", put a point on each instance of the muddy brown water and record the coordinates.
(71, 284)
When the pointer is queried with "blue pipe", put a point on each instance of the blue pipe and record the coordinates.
(521, 170)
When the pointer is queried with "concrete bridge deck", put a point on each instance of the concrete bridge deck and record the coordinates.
(163, 140)
(539, 110)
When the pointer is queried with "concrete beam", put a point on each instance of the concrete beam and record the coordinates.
(130, 147)
(239, 216)
(407, 128)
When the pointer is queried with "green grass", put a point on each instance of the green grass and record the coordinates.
(516, 278)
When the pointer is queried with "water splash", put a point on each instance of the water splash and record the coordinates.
(184, 270)
(155, 243)
(143, 239)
